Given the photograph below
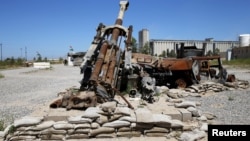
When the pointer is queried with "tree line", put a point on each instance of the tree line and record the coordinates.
(12, 62)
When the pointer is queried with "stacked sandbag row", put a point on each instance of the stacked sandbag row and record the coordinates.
(105, 121)
(208, 87)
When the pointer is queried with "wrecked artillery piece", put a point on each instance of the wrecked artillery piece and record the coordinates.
(108, 70)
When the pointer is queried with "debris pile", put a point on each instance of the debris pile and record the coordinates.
(72, 98)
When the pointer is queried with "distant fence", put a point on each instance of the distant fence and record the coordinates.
(41, 65)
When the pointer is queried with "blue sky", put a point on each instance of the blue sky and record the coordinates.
(51, 26)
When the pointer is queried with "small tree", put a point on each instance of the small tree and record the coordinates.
(163, 54)
(167, 52)
(172, 54)
(134, 45)
(209, 53)
(12, 61)
(145, 49)
(39, 57)
(9, 61)
(216, 51)
(19, 61)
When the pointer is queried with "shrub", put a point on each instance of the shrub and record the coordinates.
(1, 125)
(1, 76)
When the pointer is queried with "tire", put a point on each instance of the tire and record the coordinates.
(181, 83)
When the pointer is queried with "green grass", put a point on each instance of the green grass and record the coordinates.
(1, 76)
(5, 120)
(12, 129)
(238, 62)
(1, 125)
(9, 67)
(242, 63)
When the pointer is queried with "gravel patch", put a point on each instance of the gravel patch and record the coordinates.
(26, 89)
(230, 107)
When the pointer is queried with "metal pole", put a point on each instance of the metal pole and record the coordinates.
(1, 52)
(26, 53)
(21, 52)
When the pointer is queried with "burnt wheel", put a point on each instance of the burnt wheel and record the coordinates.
(181, 83)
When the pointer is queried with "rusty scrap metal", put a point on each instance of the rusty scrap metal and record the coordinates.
(107, 69)
(119, 93)
(129, 105)
(106, 57)
(176, 64)
(77, 100)
(99, 62)
(231, 78)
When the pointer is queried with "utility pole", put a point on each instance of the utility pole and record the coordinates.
(21, 52)
(26, 54)
(1, 52)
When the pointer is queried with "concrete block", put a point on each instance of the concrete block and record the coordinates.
(173, 113)
(186, 115)
(143, 115)
(41, 65)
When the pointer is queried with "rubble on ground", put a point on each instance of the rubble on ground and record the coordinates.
(72, 98)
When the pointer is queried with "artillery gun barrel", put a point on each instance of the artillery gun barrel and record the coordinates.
(99, 62)
(116, 32)
(106, 59)
(114, 39)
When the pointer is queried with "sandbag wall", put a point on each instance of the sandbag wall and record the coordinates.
(105, 121)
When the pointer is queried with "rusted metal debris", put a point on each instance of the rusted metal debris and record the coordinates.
(108, 69)
(74, 99)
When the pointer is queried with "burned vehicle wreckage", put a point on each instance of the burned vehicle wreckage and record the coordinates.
(109, 70)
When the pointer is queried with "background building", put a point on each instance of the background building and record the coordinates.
(244, 40)
(158, 46)
(226, 49)
(143, 37)
(75, 58)
(243, 50)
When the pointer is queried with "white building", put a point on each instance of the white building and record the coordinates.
(244, 40)
(158, 46)
(143, 37)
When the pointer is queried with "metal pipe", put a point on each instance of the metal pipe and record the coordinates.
(116, 31)
(99, 62)
(123, 7)
(112, 64)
